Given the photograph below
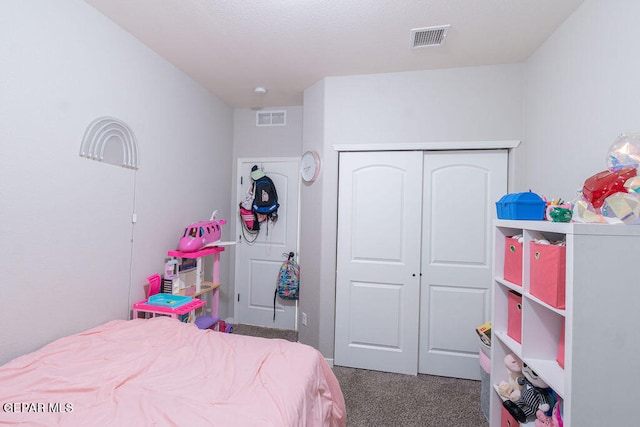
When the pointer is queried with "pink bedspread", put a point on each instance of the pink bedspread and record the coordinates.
(163, 372)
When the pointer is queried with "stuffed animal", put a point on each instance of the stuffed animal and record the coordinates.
(553, 420)
(542, 420)
(532, 397)
(510, 389)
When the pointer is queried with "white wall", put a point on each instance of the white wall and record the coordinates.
(459, 104)
(250, 140)
(464, 104)
(582, 91)
(314, 265)
(65, 221)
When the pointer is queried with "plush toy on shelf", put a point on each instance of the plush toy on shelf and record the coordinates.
(510, 389)
(533, 396)
(542, 420)
(553, 420)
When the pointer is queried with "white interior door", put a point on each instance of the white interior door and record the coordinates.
(460, 191)
(258, 262)
(377, 283)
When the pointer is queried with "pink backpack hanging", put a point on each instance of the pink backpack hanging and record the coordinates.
(248, 220)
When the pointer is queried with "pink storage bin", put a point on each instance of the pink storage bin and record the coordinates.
(513, 261)
(560, 358)
(514, 316)
(547, 273)
(507, 420)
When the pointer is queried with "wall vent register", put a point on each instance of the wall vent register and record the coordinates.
(271, 118)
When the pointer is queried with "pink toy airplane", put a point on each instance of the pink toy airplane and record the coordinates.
(201, 234)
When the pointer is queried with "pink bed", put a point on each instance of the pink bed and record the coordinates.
(164, 372)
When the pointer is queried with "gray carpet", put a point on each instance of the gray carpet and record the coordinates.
(384, 399)
(258, 331)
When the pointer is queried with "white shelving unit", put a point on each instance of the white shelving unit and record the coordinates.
(598, 384)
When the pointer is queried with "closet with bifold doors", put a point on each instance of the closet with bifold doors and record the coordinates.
(415, 257)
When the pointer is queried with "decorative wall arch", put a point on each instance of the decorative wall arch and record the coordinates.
(104, 131)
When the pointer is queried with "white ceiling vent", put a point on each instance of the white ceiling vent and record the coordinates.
(271, 118)
(429, 37)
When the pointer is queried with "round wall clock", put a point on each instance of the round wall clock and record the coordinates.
(310, 166)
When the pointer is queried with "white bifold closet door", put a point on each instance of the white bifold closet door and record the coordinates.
(378, 280)
(458, 207)
(414, 258)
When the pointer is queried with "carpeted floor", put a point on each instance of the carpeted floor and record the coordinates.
(258, 331)
(384, 399)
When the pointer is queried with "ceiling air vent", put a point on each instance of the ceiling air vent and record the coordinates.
(271, 118)
(429, 37)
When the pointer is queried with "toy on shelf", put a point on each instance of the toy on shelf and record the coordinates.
(484, 333)
(533, 396)
(558, 211)
(201, 234)
(603, 184)
(613, 195)
(511, 389)
(524, 206)
(625, 152)
(171, 268)
(623, 206)
(190, 270)
(553, 420)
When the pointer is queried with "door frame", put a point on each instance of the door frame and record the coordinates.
(238, 225)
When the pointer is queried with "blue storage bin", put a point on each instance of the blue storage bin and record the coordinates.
(526, 205)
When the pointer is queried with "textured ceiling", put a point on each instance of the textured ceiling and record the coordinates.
(232, 46)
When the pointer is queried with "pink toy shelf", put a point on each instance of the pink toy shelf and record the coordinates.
(198, 255)
(177, 304)
(200, 285)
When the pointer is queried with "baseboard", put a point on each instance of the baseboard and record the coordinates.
(329, 361)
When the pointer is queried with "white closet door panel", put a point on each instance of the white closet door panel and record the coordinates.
(444, 325)
(460, 191)
(377, 286)
(369, 299)
(377, 230)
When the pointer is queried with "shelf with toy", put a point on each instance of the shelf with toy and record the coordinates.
(505, 373)
(201, 287)
(578, 314)
(184, 273)
(540, 342)
(179, 282)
